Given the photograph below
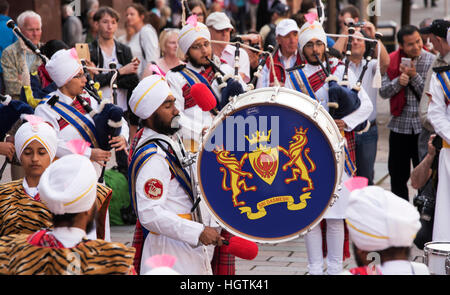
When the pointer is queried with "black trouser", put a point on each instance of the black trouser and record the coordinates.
(402, 150)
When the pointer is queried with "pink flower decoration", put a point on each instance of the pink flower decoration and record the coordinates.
(356, 182)
(155, 69)
(161, 261)
(311, 17)
(34, 120)
(78, 146)
(192, 20)
(74, 53)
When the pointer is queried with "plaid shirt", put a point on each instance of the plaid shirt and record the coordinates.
(409, 121)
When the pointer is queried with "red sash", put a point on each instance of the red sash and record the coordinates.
(317, 80)
(77, 105)
(279, 68)
(398, 101)
(42, 238)
(189, 102)
(364, 271)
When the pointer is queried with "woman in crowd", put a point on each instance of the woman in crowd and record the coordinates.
(143, 44)
(170, 55)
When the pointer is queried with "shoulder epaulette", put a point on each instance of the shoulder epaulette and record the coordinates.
(178, 68)
(441, 69)
(295, 68)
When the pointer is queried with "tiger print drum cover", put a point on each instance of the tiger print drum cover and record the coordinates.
(267, 172)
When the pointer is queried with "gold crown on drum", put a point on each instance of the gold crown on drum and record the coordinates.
(259, 137)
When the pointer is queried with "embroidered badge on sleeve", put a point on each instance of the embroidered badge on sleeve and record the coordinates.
(153, 189)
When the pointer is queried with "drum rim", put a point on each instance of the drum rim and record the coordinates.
(436, 251)
(332, 198)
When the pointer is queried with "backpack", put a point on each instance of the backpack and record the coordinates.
(120, 209)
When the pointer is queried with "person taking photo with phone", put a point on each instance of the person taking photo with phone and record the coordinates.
(403, 85)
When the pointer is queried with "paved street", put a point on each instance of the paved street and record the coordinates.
(289, 258)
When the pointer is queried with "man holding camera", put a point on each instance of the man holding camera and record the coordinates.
(403, 84)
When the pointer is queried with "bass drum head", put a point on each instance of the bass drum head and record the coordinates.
(267, 170)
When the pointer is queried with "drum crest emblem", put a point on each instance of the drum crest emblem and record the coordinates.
(264, 160)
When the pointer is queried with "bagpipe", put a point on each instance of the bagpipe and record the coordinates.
(108, 123)
(108, 119)
(12, 25)
(259, 68)
(229, 85)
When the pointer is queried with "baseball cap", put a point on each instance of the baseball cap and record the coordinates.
(279, 8)
(438, 27)
(219, 21)
(286, 26)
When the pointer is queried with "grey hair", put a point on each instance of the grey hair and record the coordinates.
(27, 14)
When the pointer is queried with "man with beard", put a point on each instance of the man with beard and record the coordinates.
(161, 189)
(68, 189)
(312, 80)
(195, 42)
(382, 227)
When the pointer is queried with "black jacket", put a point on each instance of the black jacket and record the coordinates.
(124, 56)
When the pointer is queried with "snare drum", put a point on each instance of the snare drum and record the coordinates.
(270, 164)
(436, 254)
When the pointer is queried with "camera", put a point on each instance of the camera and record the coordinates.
(425, 204)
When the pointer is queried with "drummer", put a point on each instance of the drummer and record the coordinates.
(382, 227)
(287, 55)
(195, 42)
(162, 198)
(313, 41)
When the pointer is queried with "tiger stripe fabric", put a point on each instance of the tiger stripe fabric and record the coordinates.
(90, 257)
(19, 213)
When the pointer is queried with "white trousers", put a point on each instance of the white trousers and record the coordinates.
(335, 248)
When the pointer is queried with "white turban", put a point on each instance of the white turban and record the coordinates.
(311, 31)
(377, 219)
(63, 66)
(149, 95)
(69, 185)
(36, 129)
(192, 31)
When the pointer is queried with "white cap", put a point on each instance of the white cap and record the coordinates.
(309, 31)
(377, 219)
(192, 31)
(149, 95)
(36, 129)
(69, 185)
(63, 66)
(286, 26)
(219, 21)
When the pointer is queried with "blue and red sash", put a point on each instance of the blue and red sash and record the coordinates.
(309, 86)
(75, 118)
(192, 77)
(142, 156)
(444, 79)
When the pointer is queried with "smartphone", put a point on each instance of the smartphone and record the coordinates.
(83, 51)
(406, 61)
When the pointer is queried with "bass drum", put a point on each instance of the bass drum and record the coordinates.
(270, 164)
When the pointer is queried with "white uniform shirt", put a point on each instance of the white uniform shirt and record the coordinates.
(439, 117)
(352, 120)
(287, 63)
(176, 82)
(69, 132)
(158, 213)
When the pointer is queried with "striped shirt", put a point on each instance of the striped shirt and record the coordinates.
(409, 121)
